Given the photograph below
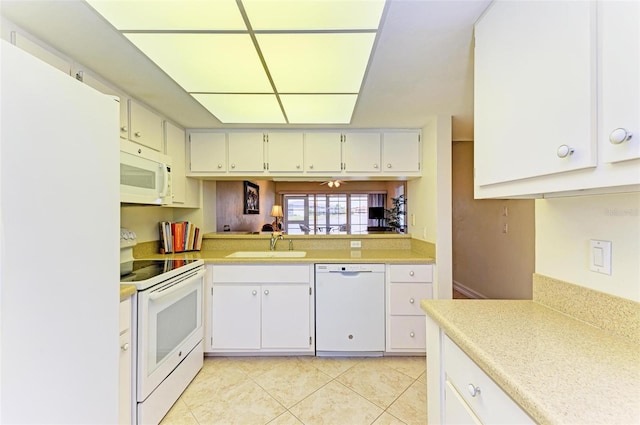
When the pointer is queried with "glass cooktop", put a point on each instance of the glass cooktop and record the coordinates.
(141, 270)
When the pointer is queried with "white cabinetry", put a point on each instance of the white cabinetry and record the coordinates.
(407, 284)
(471, 394)
(246, 153)
(145, 127)
(285, 152)
(261, 308)
(125, 403)
(619, 24)
(208, 153)
(323, 152)
(544, 114)
(361, 153)
(401, 152)
(186, 191)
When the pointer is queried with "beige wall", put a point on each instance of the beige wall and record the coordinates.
(230, 206)
(488, 263)
(564, 227)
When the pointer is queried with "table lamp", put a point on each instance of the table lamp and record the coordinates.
(276, 211)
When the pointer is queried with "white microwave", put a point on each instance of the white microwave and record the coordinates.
(145, 175)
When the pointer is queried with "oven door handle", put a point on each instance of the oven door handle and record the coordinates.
(166, 291)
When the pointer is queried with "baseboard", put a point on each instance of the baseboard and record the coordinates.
(468, 292)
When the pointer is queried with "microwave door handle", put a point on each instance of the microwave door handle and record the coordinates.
(165, 180)
(175, 287)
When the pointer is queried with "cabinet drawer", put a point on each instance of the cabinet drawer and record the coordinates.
(261, 273)
(404, 298)
(411, 272)
(125, 315)
(407, 332)
(490, 403)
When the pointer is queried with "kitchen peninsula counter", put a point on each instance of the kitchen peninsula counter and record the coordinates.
(558, 368)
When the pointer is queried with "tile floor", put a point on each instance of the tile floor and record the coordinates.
(304, 390)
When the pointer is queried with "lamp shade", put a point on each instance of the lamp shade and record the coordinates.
(276, 211)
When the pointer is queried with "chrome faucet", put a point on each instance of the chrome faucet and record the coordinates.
(274, 241)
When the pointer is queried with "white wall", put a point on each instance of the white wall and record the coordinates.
(429, 199)
(564, 227)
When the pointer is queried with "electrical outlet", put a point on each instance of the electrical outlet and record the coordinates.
(356, 244)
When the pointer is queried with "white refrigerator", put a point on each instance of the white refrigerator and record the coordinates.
(59, 252)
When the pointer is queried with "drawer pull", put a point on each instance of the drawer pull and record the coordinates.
(254, 292)
(412, 300)
(473, 390)
(411, 273)
(412, 334)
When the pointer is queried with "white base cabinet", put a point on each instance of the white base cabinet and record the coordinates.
(125, 380)
(407, 284)
(260, 308)
(460, 392)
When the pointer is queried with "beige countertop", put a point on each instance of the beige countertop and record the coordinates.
(312, 256)
(558, 369)
(126, 291)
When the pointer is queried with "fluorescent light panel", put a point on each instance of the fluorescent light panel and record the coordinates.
(222, 63)
(316, 63)
(314, 14)
(316, 72)
(319, 108)
(171, 14)
(243, 108)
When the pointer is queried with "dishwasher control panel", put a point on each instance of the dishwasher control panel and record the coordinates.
(350, 268)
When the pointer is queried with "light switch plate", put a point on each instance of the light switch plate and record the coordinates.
(600, 256)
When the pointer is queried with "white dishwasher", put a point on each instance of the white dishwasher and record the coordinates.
(350, 309)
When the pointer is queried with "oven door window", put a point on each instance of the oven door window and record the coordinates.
(175, 324)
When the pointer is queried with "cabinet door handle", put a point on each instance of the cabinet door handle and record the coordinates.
(219, 165)
(137, 134)
(124, 128)
(311, 167)
(266, 292)
(388, 165)
(233, 165)
(254, 292)
(375, 166)
(125, 346)
(412, 300)
(411, 273)
(473, 390)
(298, 166)
(412, 334)
(564, 151)
(620, 135)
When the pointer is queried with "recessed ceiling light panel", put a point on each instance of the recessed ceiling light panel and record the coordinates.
(243, 108)
(220, 63)
(317, 63)
(171, 14)
(314, 14)
(319, 108)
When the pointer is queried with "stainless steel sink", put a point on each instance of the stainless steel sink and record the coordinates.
(267, 254)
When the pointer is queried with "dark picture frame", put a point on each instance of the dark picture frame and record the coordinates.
(251, 198)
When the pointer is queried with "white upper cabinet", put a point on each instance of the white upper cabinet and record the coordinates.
(535, 97)
(285, 152)
(246, 152)
(619, 23)
(208, 152)
(557, 93)
(145, 127)
(322, 152)
(401, 152)
(185, 191)
(361, 153)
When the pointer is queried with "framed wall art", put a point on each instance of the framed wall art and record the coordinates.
(251, 198)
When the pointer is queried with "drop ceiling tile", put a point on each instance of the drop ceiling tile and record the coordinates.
(313, 14)
(316, 63)
(242, 108)
(206, 62)
(171, 14)
(319, 108)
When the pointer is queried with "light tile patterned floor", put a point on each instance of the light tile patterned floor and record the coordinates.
(304, 390)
